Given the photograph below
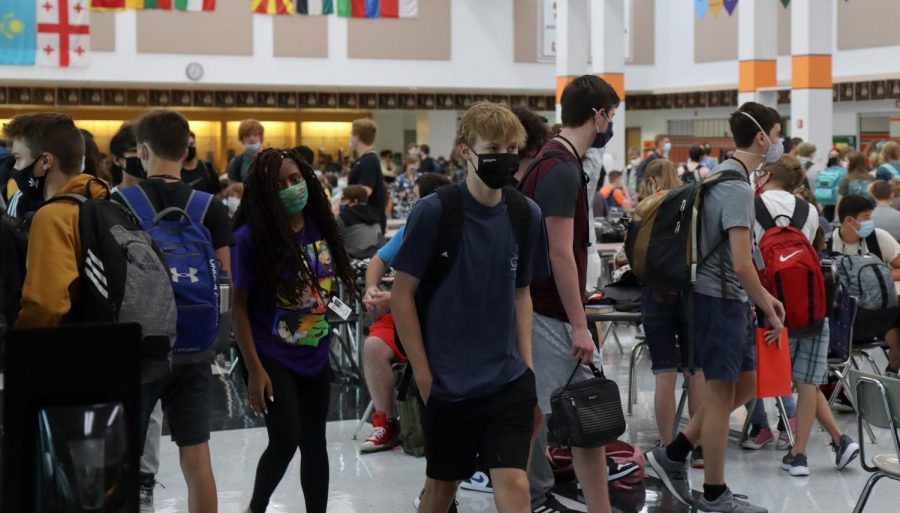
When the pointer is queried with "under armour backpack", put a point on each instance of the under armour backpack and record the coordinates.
(187, 248)
(828, 182)
(792, 272)
(122, 274)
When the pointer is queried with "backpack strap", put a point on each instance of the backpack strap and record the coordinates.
(520, 216)
(552, 154)
(198, 205)
(800, 215)
(763, 217)
(139, 203)
(450, 232)
(873, 246)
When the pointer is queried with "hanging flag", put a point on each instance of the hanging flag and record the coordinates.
(700, 7)
(373, 8)
(715, 7)
(17, 32)
(730, 5)
(134, 4)
(785, 3)
(315, 7)
(107, 5)
(351, 8)
(162, 5)
(195, 5)
(400, 8)
(273, 6)
(63, 33)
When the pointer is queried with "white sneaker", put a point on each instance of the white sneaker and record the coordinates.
(479, 482)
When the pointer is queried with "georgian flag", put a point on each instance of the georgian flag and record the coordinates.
(63, 33)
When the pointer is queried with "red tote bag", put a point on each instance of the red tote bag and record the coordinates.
(773, 366)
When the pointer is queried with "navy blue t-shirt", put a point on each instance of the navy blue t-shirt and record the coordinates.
(470, 333)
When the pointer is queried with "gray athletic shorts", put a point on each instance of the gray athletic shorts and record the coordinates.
(553, 360)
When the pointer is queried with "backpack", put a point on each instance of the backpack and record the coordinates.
(123, 276)
(629, 490)
(662, 241)
(868, 278)
(887, 171)
(411, 411)
(13, 250)
(187, 249)
(860, 188)
(792, 272)
(828, 182)
(611, 202)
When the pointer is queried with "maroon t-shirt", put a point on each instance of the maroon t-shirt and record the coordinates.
(558, 186)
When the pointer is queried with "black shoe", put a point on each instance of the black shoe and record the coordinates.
(551, 505)
(616, 471)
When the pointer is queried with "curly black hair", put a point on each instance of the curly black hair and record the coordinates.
(277, 253)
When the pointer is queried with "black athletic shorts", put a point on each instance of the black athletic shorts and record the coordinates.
(185, 394)
(494, 430)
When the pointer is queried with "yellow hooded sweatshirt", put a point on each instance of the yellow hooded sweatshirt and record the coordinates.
(54, 258)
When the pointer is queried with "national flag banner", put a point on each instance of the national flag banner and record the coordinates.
(730, 6)
(378, 8)
(162, 5)
(700, 8)
(315, 7)
(108, 5)
(134, 4)
(195, 5)
(18, 37)
(63, 33)
(273, 6)
(785, 3)
(715, 7)
(351, 8)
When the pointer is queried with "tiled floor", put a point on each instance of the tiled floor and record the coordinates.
(387, 482)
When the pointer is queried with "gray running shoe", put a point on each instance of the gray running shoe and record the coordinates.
(728, 503)
(673, 474)
(846, 450)
(796, 464)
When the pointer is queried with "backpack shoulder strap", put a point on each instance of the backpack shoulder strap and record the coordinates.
(520, 216)
(198, 205)
(552, 154)
(873, 246)
(763, 217)
(450, 232)
(139, 203)
(77, 198)
(800, 215)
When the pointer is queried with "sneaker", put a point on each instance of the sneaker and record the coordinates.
(795, 464)
(454, 506)
(846, 450)
(479, 482)
(616, 471)
(783, 442)
(147, 484)
(673, 474)
(697, 457)
(755, 442)
(728, 503)
(551, 505)
(385, 434)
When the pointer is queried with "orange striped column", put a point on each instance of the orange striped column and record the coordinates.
(572, 31)
(757, 52)
(608, 63)
(812, 115)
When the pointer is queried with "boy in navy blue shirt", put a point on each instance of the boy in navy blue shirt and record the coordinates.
(472, 359)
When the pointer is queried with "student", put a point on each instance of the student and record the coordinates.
(634, 162)
(286, 261)
(403, 187)
(380, 349)
(662, 147)
(198, 174)
(359, 223)
(667, 320)
(890, 162)
(809, 350)
(806, 154)
(537, 133)
(723, 323)
(560, 329)
(694, 168)
(857, 180)
(366, 171)
(428, 164)
(162, 145)
(386, 157)
(475, 376)
(613, 193)
(250, 133)
(884, 215)
(126, 166)
(853, 238)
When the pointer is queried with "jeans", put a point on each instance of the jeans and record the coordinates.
(758, 416)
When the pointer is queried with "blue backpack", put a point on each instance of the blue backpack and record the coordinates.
(828, 182)
(186, 246)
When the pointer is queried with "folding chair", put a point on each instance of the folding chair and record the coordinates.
(878, 401)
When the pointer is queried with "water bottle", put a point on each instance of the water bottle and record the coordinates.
(224, 292)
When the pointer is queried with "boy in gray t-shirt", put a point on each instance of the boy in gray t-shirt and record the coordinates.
(723, 322)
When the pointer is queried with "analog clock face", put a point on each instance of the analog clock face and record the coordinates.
(194, 71)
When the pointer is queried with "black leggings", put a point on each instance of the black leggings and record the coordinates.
(295, 419)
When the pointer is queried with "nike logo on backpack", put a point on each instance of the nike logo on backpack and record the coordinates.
(785, 258)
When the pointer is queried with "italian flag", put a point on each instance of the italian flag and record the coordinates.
(378, 8)
(273, 6)
(315, 7)
(195, 5)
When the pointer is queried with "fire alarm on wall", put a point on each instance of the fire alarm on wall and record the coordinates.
(800, 123)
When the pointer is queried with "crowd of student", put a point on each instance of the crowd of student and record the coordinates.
(501, 236)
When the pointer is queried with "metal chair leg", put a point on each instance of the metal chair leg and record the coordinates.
(867, 490)
(681, 404)
(782, 412)
(872, 363)
(616, 338)
(745, 431)
(365, 416)
(632, 376)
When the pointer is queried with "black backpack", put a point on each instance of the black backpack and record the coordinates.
(13, 250)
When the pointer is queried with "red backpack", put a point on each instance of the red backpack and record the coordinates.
(792, 273)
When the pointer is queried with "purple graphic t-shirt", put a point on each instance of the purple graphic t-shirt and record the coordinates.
(296, 335)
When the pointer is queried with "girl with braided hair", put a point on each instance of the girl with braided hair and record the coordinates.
(288, 253)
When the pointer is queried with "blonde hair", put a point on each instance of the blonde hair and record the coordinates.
(491, 121)
(664, 174)
(890, 152)
(806, 149)
(250, 127)
(787, 172)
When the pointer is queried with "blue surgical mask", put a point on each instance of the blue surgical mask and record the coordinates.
(865, 228)
(667, 147)
(776, 149)
(253, 147)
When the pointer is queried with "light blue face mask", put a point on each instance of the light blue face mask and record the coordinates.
(865, 228)
(252, 148)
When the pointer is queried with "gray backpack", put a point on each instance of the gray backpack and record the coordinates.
(868, 278)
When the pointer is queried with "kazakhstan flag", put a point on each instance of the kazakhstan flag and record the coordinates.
(18, 32)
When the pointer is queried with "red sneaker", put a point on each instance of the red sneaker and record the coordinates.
(385, 434)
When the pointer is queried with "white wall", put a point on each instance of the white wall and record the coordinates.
(391, 124)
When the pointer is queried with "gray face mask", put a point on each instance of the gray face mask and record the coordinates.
(775, 150)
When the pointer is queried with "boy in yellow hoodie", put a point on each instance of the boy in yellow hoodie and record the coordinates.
(49, 149)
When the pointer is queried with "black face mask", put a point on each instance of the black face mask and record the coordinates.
(134, 168)
(32, 187)
(116, 171)
(603, 138)
(192, 153)
(495, 169)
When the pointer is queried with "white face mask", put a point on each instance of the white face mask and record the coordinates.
(775, 150)
(232, 202)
